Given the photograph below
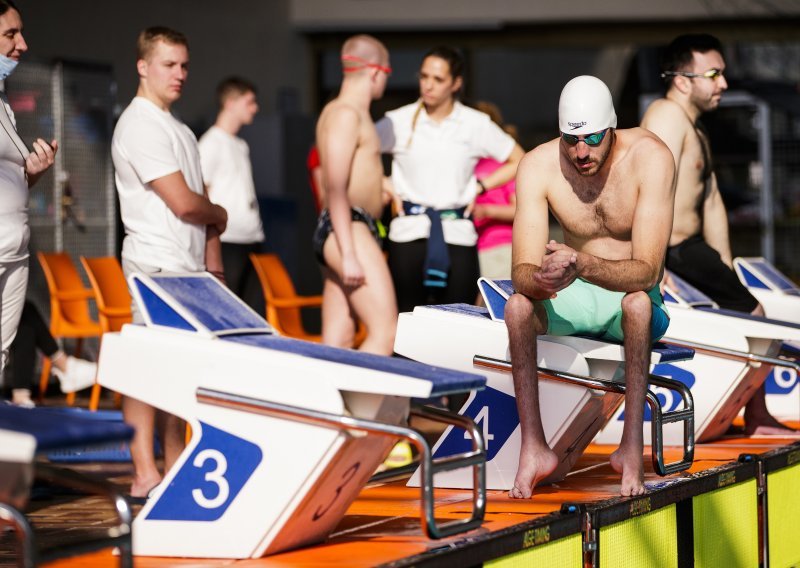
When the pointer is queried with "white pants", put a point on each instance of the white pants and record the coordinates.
(13, 284)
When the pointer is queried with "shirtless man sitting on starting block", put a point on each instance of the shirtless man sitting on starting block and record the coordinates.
(612, 193)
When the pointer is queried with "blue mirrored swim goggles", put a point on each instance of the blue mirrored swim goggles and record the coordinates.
(590, 139)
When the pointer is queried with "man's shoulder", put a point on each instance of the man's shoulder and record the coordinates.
(543, 160)
(641, 142)
(139, 117)
(545, 153)
(339, 109)
(212, 136)
(665, 112)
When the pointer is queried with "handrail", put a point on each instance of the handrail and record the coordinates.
(476, 458)
(659, 417)
(733, 354)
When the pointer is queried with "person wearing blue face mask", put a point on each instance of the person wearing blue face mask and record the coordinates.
(20, 168)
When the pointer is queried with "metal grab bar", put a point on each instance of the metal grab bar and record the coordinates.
(27, 550)
(119, 536)
(475, 459)
(734, 354)
(658, 416)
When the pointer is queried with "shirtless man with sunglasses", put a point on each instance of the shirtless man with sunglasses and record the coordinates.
(612, 193)
(699, 247)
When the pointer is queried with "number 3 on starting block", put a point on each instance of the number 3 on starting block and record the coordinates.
(210, 479)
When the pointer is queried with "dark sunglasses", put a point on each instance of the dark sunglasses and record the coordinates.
(589, 139)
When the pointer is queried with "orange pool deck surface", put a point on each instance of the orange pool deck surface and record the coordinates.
(383, 524)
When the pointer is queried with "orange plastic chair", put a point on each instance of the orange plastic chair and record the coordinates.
(69, 308)
(284, 304)
(113, 300)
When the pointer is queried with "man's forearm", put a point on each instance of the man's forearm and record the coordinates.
(213, 253)
(522, 276)
(715, 233)
(200, 211)
(617, 275)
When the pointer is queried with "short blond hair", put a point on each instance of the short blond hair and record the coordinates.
(148, 38)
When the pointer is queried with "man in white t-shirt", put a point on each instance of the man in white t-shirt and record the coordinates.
(228, 176)
(170, 224)
(19, 170)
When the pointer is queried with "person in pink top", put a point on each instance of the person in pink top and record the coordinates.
(494, 209)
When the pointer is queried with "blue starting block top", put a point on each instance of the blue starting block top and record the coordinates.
(464, 309)
(759, 273)
(682, 290)
(444, 381)
(672, 353)
(56, 430)
(202, 304)
(197, 303)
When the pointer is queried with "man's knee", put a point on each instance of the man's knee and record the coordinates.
(636, 305)
(521, 312)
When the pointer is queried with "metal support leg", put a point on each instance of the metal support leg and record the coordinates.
(118, 536)
(659, 418)
(475, 459)
(26, 540)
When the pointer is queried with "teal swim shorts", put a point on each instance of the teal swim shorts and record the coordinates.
(585, 309)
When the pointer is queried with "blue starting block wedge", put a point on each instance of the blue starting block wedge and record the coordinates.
(736, 354)
(285, 433)
(24, 433)
(580, 388)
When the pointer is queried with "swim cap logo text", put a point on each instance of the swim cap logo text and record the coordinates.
(575, 125)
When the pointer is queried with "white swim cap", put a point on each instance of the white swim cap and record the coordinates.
(585, 106)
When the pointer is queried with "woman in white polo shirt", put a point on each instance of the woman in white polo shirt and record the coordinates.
(435, 144)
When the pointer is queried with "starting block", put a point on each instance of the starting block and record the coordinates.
(25, 432)
(581, 385)
(285, 433)
(780, 298)
(734, 353)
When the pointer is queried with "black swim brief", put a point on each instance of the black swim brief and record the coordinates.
(325, 228)
(701, 266)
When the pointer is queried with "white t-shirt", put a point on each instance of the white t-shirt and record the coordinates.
(14, 230)
(148, 144)
(437, 168)
(229, 176)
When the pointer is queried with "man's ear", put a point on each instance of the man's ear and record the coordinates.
(683, 84)
(141, 67)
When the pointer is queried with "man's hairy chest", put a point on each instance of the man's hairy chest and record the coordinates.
(587, 216)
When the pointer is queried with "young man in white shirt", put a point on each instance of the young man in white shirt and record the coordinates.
(170, 224)
(228, 176)
(19, 170)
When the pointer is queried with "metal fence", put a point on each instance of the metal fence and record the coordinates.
(72, 207)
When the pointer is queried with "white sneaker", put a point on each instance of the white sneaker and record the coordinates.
(22, 398)
(79, 374)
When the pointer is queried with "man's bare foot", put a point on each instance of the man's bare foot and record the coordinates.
(533, 467)
(775, 431)
(632, 470)
(766, 425)
(142, 487)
